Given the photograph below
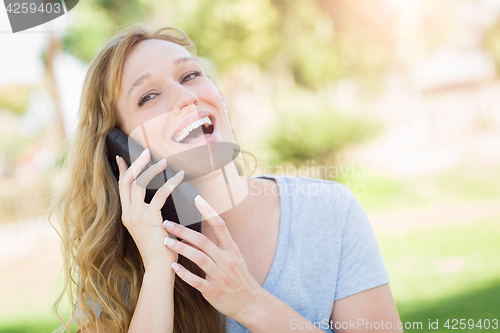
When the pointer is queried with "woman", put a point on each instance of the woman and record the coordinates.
(276, 254)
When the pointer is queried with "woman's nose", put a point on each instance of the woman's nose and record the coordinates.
(183, 97)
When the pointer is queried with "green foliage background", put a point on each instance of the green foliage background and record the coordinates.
(309, 129)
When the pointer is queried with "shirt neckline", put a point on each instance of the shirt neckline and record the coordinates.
(283, 235)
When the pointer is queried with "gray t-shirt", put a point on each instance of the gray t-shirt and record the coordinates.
(326, 250)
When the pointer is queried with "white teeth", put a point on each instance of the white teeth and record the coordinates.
(195, 124)
(207, 121)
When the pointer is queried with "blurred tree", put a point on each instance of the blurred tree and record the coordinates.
(294, 34)
(307, 37)
(310, 129)
(14, 98)
(492, 43)
(94, 21)
(231, 32)
(52, 48)
(320, 136)
(274, 34)
(365, 38)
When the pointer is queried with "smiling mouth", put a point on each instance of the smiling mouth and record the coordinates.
(203, 128)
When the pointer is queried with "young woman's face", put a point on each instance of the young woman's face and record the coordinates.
(165, 96)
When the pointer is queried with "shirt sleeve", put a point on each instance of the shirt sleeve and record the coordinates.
(97, 307)
(361, 266)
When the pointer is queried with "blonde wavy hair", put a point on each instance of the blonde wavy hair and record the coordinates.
(101, 263)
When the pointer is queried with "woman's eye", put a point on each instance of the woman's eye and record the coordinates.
(146, 98)
(191, 75)
(151, 95)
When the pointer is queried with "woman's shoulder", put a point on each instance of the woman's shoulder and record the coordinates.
(322, 203)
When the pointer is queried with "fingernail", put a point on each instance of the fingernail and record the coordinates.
(145, 152)
(175, 266)
(118, 160)
(169, 241)
(180, 173)
(161, 161)
(168, 225)
(200, 200)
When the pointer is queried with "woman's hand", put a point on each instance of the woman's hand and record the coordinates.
(228, 285)
(142, 220)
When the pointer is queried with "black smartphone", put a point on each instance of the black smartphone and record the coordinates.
(179, 206)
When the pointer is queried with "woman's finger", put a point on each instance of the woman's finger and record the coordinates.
(124, 190)
(148, 174)
(218, 226)
(164, 191)
(193, 246)
(196, 256)
(140, 183)
(195, 238)
(133, 171)
(193, 280)
(127, 177)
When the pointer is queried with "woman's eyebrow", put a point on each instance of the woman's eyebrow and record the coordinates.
(138, 82)
(182, 60)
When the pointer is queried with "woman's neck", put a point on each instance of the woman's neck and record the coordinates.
(226, 192)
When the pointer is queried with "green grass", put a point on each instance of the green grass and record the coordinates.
(32, 326)
(448, 272)
(29, 323)
(463, 183)
(476, 305)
